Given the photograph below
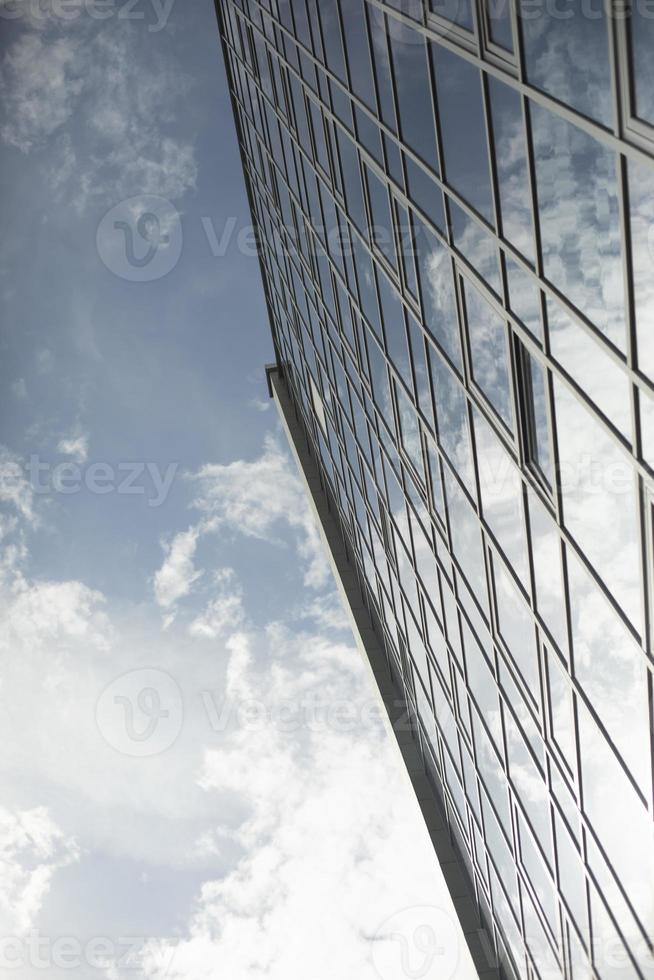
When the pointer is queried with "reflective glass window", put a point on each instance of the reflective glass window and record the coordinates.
(641, 35)
(511, 163)
(498, 19)
(590, 365)
(599, 499)
(567, 55)
(545, 544)
(437, 291)
(579, 218)
(331, 32)
(516, 626)
(351, 179)
(413, 85)
(458, 88)
(489, 352)
(381, 226)
(641, 195)
(478, 246)
(355, 33)
(456, 11)
(534, 393)
(452, 418)
(612, 805)
(524, 298)
(501, 496)
(466, 539)
(611, 671)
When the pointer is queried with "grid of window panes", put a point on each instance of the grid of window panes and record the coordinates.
(455, 206)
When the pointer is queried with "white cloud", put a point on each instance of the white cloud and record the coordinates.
(300, 821)
(176, 577)
(15, 488)
(76, 446)
(32, 849)
(39, 82)
(225, 612)
(259, 499)
(326, 862)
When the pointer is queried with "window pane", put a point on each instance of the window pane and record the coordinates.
(478, 246)
(599, 500)
(331, 31)
(498, 16)
(453, 431)
(641, 195)
(611, 670)
(458, 88)
(355, 32)
(382, 64)
(578, 206)
(437, 292)
(466, 539)
(641, 31)
(381, 229)
(410, 430)
(456, 11)
(567, 56)
(547, 571)
(489, 352)
(524, 298)
(590, 365)
(542, 449)
(516, 626)
(511, 163)
(612, 805)
(414, 92)
(501, 496)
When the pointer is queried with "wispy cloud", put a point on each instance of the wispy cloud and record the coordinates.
(99, 106)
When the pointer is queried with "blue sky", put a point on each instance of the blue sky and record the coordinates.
(161, 575)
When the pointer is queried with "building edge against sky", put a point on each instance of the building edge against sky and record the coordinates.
(454, 206)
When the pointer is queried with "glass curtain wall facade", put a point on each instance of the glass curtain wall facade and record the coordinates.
(455, 205)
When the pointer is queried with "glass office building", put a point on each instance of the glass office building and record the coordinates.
(455, 204)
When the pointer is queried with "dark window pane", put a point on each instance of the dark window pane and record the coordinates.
(381, 230)
(414, 93)
(351, 179)
(382, 64)
(458, 89)
(498, 18)
(457, 11)
(331, 31)
(355, 31)
(567, 55)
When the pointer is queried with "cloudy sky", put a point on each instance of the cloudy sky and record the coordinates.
(178, 799)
